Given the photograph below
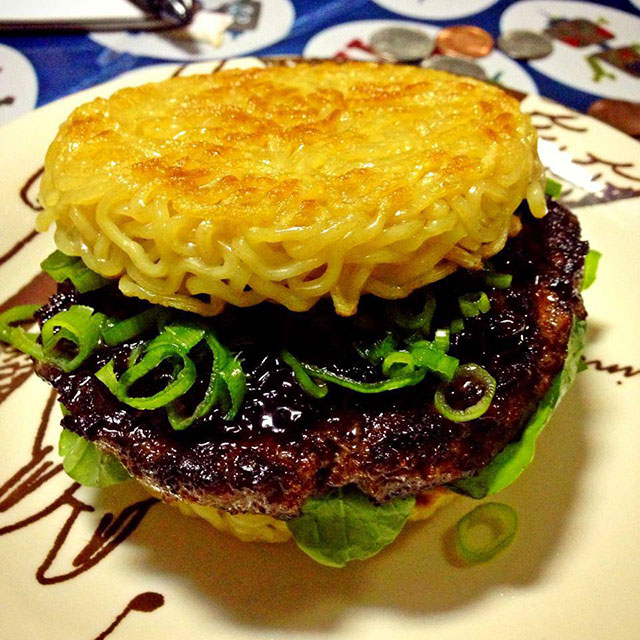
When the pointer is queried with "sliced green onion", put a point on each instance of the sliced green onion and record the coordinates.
(457, 325)
(498, 280)
(79, 325)
(174, 343)
(379, 350)
(62, 267)
(475, 410)
(418, 322)
(552, 188)
(304, 379)
(473, 304)
(442, 340)
(364, 387)
(186, 335)
(227, 382)
(212, 394)
(426, 354)
(184, 378)
(21, 313)
(590, 269)
(398, 363)
(118, 331)
(215, 389)
(17, 337)
(236, 381)
(482, 533)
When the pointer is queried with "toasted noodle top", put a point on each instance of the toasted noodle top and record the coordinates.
(290, 183)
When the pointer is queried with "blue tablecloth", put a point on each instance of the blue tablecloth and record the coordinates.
(65, 63)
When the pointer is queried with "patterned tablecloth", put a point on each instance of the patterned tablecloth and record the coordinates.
(596, 50)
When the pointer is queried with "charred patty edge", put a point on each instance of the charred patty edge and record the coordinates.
(384, 454)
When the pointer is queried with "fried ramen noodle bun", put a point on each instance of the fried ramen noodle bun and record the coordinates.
(290, 183)
(251, 527)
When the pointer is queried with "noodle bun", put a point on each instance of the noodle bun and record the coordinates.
(290, 184)
(256, 527)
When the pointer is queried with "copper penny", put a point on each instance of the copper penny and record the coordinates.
(619, 114)
(464, 40)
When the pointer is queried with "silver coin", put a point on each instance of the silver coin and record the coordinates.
(525, 45)
(459, 66)
(399, 44)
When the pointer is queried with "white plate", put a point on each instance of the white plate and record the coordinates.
(75, 560)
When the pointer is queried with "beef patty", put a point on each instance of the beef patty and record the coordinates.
(284, 446)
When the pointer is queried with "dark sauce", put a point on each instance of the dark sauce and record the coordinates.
(283, 445)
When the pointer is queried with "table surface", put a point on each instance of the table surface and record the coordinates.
(596, 52)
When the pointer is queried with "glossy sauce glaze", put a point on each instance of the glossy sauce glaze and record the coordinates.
(284, 446)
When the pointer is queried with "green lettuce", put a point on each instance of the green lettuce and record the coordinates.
(345, 525)
(591, 263)
(515, 457)
(86, 464)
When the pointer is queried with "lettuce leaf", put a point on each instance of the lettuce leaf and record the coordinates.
(86, 464)
(345, 525)
(591, 263)
(507, 466)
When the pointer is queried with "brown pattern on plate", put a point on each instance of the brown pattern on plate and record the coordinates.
(145, 602)
(627, 371)
(42, 466)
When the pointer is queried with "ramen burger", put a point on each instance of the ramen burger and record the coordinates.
(305, 301)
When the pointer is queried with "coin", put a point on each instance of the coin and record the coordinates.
(525, 45)
(619, 114)
(459, 66)
(464, 40)
(399, 44)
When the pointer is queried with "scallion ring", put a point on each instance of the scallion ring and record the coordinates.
(498, 280)
(236, 381)
(473, 304)
(213, 392)
(80, 326)
(365, 387)
(488, 382)
(379, 350)
(174, 344)
(398, 363)
(21, 313)
(482, 533)
(442, 340)
(17, 337)
(426, 355)
(116, 332)
(308, 385)
(456, 326)
(418, 322)
(62, 267)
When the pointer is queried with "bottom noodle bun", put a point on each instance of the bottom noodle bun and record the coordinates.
(253, 527)
(248, 527)
(309, 403)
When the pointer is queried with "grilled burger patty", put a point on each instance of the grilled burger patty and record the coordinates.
(284, 446)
